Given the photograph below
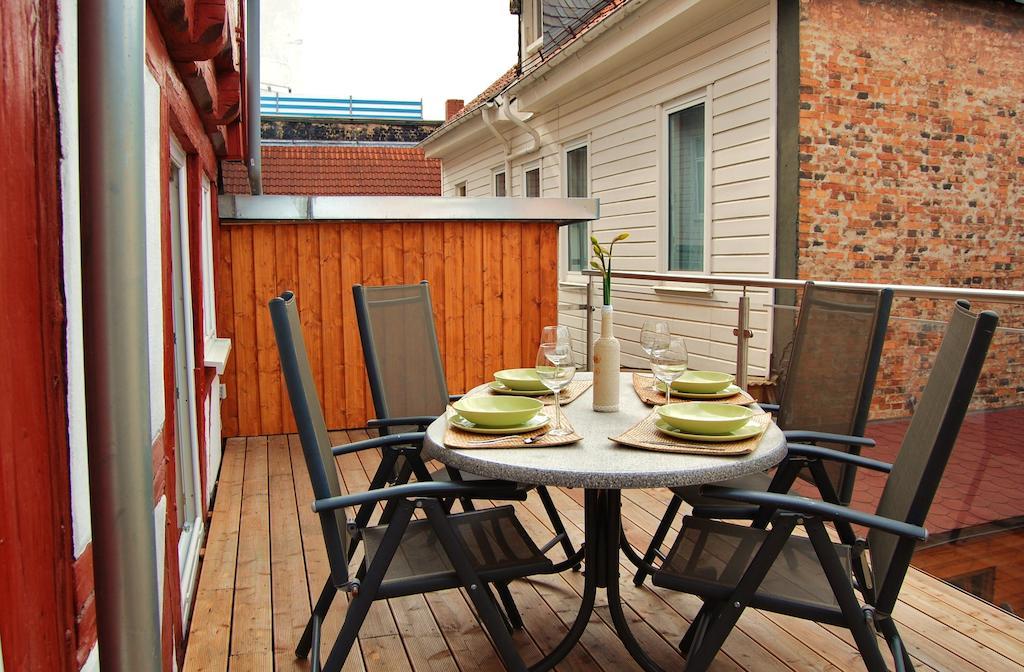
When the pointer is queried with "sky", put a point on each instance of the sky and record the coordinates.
(387, 49)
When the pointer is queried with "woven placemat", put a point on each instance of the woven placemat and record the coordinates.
(645, 435)
(457, 438)
(652, 396)
(566, 396)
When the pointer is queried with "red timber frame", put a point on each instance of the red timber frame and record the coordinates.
(47, 601)
(37, 625)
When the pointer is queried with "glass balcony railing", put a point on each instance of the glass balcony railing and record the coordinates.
(976, 522)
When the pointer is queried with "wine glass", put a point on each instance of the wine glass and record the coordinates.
(669, 363)
(556, 335)
(654, 336)
(556, 368)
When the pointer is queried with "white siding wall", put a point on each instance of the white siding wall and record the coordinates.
(623, 119)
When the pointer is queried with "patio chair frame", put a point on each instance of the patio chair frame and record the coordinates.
(799, 463)
(403, 500)
(892, 539)
(394, 471)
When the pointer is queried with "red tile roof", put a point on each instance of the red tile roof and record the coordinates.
(332, 170)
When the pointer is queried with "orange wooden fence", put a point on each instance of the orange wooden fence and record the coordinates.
(493, 286)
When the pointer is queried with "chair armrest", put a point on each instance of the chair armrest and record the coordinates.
(378, 442)
(769, 408)
(436, 489)
(418, 420)
(455, 397)
(801, 436)
(814, 507)
(822, 453)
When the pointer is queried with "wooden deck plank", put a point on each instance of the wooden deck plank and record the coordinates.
(289, 588)
(252, 627)
(209, 639)
(255, 590)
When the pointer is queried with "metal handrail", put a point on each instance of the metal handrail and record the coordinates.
(741, 331)
(923, 291)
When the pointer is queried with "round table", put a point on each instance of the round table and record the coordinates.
(603, 468)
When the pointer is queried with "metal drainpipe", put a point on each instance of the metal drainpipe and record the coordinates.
(111, 40)
(252, 89)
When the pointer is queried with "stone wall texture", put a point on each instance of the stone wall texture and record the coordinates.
(912, 168)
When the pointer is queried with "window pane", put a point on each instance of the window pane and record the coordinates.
(686, 189)
(576, 187)
(499, 184)
(533, 183)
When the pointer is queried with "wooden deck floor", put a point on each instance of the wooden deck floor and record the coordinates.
(264, 560)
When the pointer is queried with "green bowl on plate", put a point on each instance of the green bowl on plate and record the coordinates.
(702, 382)
(524, 380)
(705, 417)
(497, 411)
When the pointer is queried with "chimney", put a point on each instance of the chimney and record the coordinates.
(453, 106)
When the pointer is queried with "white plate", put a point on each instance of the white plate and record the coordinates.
(501, 389)
(536, 422)
(727, 392)
(749, 430)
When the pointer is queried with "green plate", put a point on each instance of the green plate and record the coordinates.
(536, 422)
(747, 431)
(727, 392)
(702, 382)
(501, 389)
(520, 379)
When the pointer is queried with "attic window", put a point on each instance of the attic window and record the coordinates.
(533, 23)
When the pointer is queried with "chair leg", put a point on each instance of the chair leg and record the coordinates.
(323, 603)
(380, 478)
(899, 651)
(487, 610)
(695, 632)
(369, 587)
(556, 522)
(515, 619)
(842, 588)
(659, 537)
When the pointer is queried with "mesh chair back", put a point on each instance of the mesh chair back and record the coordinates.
(403, 362)
(928, 443)
(831, 373)
(309, 418)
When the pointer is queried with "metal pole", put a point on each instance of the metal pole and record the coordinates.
(252, 87)
(111, 50)
(590, 323)
(743, 335)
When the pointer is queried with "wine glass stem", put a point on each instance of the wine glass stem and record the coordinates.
(668, 393)
(558, 412)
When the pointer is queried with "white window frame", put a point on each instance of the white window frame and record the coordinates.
(533, 25)
(701, 96)
(573, 277)
(206, 231)
(527, 167)
(500, 170)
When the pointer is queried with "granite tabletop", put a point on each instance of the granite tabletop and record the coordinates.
(596, 461)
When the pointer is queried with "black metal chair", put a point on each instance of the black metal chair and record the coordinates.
(826, 396)
(732, 567)
(471, 550)
(409, 386)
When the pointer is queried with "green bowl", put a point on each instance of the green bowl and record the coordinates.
(705, 417)
(702, 382)
(497, 411)
(525, 380)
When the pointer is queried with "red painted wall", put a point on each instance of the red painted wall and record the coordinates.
(36, 619)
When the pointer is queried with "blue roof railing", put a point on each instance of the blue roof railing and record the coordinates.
(276, 105)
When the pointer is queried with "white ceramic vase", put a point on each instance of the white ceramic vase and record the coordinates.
(606, 366)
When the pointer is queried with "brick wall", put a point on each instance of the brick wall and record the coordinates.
(912, 167)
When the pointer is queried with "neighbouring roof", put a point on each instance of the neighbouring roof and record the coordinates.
(332, 170)
(568, 36)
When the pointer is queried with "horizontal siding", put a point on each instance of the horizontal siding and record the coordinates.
(621, 120)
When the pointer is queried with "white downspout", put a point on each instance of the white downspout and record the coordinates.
(499, 106)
